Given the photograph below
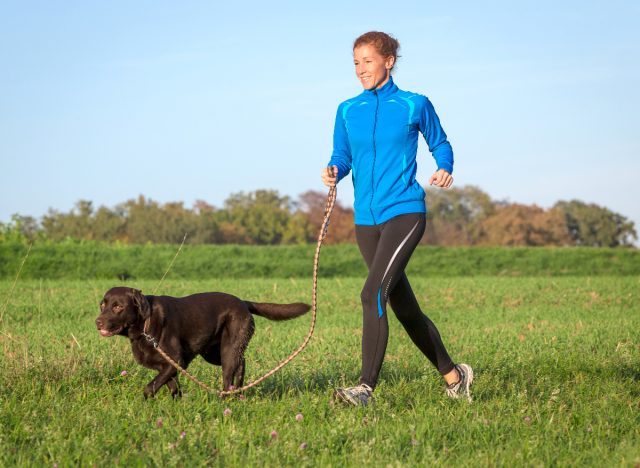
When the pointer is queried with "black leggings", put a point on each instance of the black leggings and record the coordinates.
(386, 249)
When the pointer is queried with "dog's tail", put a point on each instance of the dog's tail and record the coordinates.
(278, 311)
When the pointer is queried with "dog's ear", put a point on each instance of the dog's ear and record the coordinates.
(141, 302)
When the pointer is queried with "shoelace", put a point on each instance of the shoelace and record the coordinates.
(361, 389)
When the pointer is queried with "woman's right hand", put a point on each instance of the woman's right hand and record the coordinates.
(330, 176)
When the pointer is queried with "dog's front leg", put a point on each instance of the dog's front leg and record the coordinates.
(174, 386)
(166, 376)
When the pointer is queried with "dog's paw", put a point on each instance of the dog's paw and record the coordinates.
(149, 391)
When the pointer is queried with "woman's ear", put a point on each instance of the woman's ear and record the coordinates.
(390, 62)
(141, 302)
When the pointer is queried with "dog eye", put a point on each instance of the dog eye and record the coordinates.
(117, 308)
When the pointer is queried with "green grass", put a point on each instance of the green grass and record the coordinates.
(557, 364)
(83, 260)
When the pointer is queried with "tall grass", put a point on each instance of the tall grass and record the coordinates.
(80, 260)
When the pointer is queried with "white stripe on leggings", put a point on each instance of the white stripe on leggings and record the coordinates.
(395, 254)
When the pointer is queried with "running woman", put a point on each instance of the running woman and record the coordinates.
(376, 139)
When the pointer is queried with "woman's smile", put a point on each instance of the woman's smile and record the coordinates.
(372, 69)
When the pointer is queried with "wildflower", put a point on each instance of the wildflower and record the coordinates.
(274, 435)
(303, 445)
(123, 373)
(183, 435)
(527, 420)
(226, 412)
(159, 422)
(299, 417)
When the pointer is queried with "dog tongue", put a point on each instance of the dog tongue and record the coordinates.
(105, 332)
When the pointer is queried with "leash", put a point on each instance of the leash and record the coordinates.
(331, 200)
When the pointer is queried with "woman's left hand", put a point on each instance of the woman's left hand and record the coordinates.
(441, 178)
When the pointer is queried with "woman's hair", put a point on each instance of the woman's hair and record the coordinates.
(385, 44)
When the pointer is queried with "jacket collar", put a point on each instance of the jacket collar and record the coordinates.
(387, 90)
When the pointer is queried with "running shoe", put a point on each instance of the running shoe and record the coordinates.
(360, 395)
(463, 386)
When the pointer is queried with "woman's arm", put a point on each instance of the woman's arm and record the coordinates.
(439, 146)
(341, 156)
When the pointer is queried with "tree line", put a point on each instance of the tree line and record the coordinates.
(464, 216)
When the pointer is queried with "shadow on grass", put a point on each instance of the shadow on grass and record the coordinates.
(277, 387)
(325, 381)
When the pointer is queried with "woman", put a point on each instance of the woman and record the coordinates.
(376, 138)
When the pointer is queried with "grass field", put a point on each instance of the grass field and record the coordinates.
(557, 363)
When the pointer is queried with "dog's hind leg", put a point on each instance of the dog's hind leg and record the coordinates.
(238, 377)
(235, 339)
(229, 366)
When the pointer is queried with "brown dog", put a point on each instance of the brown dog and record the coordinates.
(217, 326)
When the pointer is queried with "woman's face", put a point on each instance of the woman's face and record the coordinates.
(372, 69)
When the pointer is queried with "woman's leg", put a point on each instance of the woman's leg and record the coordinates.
(422, 331)
(373, 327)
(386, 250)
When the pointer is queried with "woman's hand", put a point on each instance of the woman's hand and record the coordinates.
(441, 178)
(329, 176)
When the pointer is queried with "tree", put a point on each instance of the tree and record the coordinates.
(148, 221)
(207, 227)
(77, 224)
(523, 225)
(454, 215)
(263, 215)
(109, 225)
(460, 216)
(596, 226)
(21, 228)
(312, 204)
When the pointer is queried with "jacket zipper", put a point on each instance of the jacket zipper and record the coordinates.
(375, 121)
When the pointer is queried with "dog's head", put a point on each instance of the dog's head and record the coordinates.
(120, 309)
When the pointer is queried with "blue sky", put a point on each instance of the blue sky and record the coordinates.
(196, 100)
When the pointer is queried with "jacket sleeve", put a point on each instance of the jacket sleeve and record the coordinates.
(436, 138)
(341, 156)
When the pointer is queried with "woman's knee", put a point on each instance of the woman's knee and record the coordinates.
(369, 296)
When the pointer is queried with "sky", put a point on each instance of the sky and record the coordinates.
(186, 101)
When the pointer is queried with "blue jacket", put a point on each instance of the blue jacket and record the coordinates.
(376, 138)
